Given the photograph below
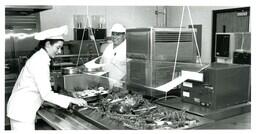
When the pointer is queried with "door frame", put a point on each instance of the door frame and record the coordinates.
(214, 22)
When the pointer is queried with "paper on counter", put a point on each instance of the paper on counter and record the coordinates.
(185, 75)
(172, 84)
(192, 75)
(93, 65)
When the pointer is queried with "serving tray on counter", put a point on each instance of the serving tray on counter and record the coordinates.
(143, 121)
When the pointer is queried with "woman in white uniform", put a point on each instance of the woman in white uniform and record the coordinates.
(33, 85)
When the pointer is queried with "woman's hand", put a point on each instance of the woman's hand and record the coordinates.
(79, 102)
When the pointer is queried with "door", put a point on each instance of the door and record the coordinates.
(229, 20)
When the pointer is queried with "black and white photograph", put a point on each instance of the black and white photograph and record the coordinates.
(151, 66)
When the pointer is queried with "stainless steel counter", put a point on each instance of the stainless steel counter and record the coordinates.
(214, 114)
(242, 121)
(62, 120)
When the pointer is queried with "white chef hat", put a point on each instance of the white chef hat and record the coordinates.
(118, 28)
(54, 33)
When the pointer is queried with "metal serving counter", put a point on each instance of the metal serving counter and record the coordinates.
(60, 119)
(242, 121)
(117, 121)
(213, 114)
(89, 119)
(122, 108)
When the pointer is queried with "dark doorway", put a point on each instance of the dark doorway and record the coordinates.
(229, 20)
(198, 28)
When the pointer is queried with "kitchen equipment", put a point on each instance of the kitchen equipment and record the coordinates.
(242, 57)
(224, 85)
(90, 94)
(93, 65)
(23, 10)
(151, 53)
(82, 81)
(160, 44)
(227, 43)
(71, 70)
(224, 92)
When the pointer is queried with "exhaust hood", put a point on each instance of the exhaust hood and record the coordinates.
(22, 10)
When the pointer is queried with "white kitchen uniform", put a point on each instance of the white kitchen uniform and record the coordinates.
(115, 61)
(32, 88)
(20, 126)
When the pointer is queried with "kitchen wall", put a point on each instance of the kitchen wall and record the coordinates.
(135, 16)
(130, 16)
(200, 15)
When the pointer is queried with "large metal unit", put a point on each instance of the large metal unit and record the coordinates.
(224, 85)
(160, 44)
(151, 53)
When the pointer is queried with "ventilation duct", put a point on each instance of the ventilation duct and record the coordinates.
(17, 10)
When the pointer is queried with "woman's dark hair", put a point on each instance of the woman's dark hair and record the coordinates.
(42, 43)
